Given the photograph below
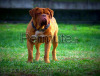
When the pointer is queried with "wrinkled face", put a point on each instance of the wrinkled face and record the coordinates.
(41, 15)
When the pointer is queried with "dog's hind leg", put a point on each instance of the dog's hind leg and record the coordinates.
(55, 44)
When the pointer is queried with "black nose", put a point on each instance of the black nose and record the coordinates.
(44, 15)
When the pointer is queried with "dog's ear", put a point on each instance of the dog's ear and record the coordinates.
(51, 12)
(32, 12)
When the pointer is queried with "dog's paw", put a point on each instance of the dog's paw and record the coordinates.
(47, 61)
(56, 59)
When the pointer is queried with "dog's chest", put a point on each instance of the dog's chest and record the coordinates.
(40, 37)
(37, 33)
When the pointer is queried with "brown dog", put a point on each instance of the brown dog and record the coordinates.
(42, 24)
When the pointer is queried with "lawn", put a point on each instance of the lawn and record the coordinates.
(78, 54)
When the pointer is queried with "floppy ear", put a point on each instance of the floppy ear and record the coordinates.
(51, 12)
(32, 12)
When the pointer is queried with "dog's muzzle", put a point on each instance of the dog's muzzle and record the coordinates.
(44, 22)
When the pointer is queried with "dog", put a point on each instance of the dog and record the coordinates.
(42, 26)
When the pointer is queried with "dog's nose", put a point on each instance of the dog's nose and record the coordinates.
(44, 15)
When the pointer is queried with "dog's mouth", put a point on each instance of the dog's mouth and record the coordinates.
(44, 22)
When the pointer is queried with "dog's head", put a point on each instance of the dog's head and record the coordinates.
(41, 16)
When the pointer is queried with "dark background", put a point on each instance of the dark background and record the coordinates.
(65, 11)
(66, 16)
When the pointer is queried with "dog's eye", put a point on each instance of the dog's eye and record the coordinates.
(47, 13)
(38, 13)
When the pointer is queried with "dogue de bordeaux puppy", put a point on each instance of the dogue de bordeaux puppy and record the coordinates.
(42, 25)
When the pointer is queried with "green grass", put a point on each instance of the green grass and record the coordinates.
(79, 57)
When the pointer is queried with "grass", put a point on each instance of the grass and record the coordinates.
(78, 56)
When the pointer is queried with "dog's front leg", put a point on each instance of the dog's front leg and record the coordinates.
(47, 50)
(37, 45)
(30, 51)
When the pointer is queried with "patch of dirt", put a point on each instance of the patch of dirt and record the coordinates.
(80, 58)
(64, 58)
